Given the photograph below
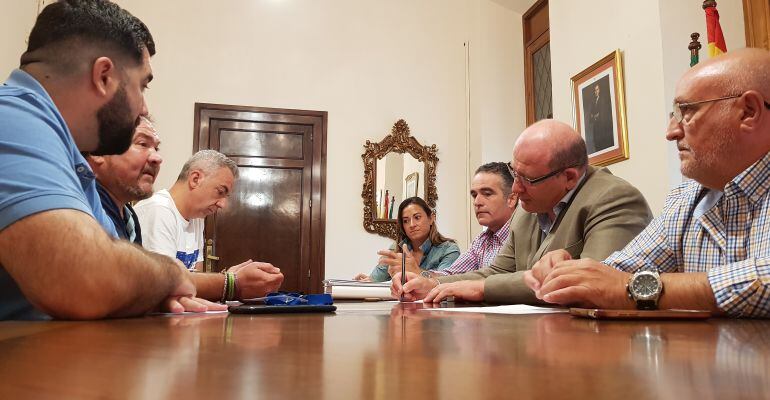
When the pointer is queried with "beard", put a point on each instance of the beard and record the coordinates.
(116, 127)
(711, 157)
(136, 193)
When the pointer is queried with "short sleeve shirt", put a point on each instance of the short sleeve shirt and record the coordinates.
(41, 169)
(165, 231)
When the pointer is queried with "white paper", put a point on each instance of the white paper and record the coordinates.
(352, 292)
(515, 309)
(349, 282)
(405, 302)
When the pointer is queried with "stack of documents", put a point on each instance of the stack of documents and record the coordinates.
(348, 289)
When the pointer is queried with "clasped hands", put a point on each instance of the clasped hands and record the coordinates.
(559, 279)
(255, 279)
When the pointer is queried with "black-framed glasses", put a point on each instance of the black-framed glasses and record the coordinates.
(679, 108)
(534, 181)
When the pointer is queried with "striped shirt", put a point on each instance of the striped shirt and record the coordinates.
(483, 250)
(730, 240)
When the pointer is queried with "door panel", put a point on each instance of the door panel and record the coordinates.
(281, 164)
(273, 197)
(261, 144)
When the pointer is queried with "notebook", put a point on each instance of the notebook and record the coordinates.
(357, 290)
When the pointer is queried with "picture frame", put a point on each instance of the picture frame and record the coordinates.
(411, 184)
(598, 96)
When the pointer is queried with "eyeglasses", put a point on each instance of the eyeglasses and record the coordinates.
(534, 181)
(679, 108)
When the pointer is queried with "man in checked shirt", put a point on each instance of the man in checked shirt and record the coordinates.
(710, 247)
(493, 204)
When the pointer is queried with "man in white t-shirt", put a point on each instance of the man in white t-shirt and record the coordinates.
(172, 224)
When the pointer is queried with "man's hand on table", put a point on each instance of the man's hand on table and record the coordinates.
(558, 279)
(415, 288)
(461, 290)
(183, 299)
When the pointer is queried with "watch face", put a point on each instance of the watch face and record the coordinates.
(645, 286)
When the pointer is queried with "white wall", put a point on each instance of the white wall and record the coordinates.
(653, 36)
(368, 63)
(14, 32)
(496, 95)
(678, 19)
(583, 33)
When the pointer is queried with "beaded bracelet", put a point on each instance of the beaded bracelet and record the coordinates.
(224, 287)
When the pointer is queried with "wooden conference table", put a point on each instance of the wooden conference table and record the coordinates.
(384, 351)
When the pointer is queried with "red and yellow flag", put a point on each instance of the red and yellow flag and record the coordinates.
(717, 44)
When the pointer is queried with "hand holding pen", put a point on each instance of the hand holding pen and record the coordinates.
(395, 261)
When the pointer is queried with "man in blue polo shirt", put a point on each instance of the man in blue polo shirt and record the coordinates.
(79, 88)
(121, 179)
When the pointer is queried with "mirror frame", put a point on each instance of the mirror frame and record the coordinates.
(398, 141)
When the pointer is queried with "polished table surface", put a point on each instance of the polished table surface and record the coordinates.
(384, 351)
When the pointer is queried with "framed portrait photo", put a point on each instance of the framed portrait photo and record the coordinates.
(411, 182)
(600, 110)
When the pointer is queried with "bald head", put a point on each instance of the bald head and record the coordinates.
(554, 141)
(735, 72)
(723, 125)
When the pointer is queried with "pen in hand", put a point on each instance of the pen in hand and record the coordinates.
(403, 271)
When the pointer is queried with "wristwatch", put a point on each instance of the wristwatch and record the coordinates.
(645, 288)
(429, 275)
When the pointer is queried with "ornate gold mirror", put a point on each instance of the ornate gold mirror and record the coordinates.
(396, 168)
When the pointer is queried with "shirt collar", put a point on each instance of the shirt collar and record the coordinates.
(502, 233)
(542, 219)
(708, 199)
(23, 79)
(107, 203)
(753, 182)
(425, 246)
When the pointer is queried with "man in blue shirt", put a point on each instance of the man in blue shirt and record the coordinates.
(127, 177)
(130, 176)
(79, 89)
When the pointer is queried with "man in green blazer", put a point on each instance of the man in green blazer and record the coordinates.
(564, 204)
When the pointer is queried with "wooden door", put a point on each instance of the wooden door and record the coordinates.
(276, 212)
(537, 62)
(756, 15)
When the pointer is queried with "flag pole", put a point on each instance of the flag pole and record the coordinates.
(694, 47)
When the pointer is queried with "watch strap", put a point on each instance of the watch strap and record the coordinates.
(646, 305)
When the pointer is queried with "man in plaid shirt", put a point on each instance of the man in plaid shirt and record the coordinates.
(493, 204)
(710, 247)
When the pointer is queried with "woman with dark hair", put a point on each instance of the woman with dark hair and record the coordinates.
(426, 249)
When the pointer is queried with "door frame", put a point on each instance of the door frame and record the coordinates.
(319, 121)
